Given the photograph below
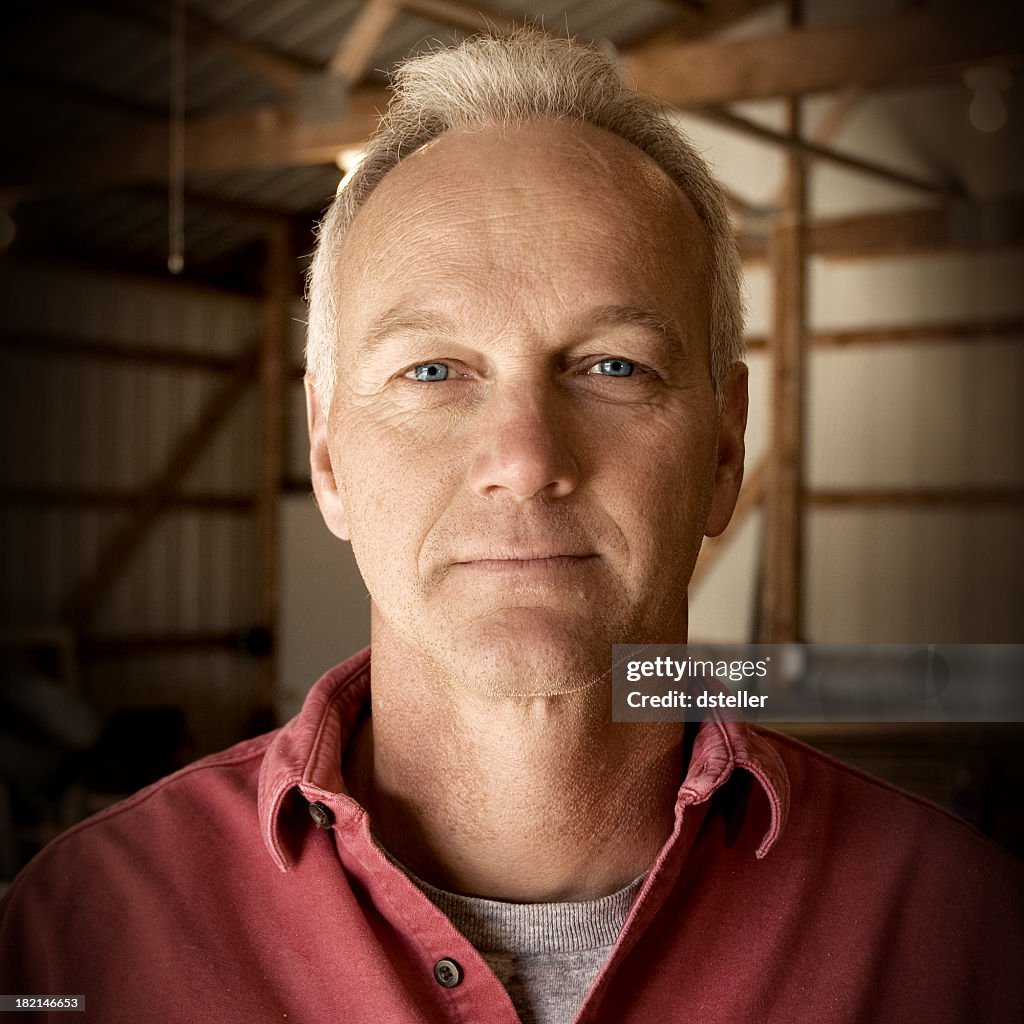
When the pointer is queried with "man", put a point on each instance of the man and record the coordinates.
(526, 408)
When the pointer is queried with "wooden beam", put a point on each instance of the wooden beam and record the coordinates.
(846, 102)
(959, 330)
(918, 497)
(360, 42)
(824, 153)
(911, 232)
(84, 600)
(269, 137)
(781, 619)
(717, 73)
(906, 48)
(240, 139)
(956, 227)
(700, 20)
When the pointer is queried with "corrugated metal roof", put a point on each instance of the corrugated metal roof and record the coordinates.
(94, 72)
(107, 69)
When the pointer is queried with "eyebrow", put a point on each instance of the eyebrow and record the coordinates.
(401, 320)
(651, 320)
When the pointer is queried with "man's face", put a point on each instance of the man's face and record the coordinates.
(524, 444)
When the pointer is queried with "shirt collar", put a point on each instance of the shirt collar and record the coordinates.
(306, 754)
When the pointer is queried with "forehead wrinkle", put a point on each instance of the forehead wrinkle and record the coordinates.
(443, 217)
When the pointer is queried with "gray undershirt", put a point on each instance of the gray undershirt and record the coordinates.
(545, 954)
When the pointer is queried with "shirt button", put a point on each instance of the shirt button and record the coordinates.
(448, 973)
(321, 814)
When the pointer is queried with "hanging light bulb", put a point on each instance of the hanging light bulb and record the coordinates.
(988, 109)
(348, 160)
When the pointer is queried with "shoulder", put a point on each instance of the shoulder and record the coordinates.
(166, 819)
(866, 823)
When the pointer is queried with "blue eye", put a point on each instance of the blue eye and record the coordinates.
(614, 368)
(431, 371)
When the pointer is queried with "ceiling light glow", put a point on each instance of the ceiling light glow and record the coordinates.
(988, 109)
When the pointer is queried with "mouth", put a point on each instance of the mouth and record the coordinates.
(527, 563)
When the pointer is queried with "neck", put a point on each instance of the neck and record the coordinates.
(526, 799)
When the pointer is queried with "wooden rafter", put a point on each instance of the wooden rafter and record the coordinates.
(908, 48)
(694, 21)
(262, 137)
(956, 227)
(824, 153)
(918, 497)
(972, 330)
(845, 103)
(911, 46)
(360, 42)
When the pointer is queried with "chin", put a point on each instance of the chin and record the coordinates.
(526, 652)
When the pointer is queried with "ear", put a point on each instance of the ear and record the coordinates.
(325, 485)
(731, 428)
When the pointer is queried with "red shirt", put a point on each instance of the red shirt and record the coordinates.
(791, 889)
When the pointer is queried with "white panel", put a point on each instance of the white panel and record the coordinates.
(909, 576)
(916, 415)
(923, 289)
(757, 297)
(325, 609)
(759, 416)
(750, 168)
(722, 606)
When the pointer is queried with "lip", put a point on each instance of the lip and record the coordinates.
(547, 561)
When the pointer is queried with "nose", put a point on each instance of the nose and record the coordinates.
(524, 449)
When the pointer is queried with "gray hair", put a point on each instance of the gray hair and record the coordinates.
(494, 80)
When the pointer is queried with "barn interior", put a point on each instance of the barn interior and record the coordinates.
(168, 586)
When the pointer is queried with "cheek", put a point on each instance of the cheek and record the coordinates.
(394, 484)
(663, 485)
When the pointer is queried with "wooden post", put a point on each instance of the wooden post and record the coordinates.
(273, 380)
(781, 617)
